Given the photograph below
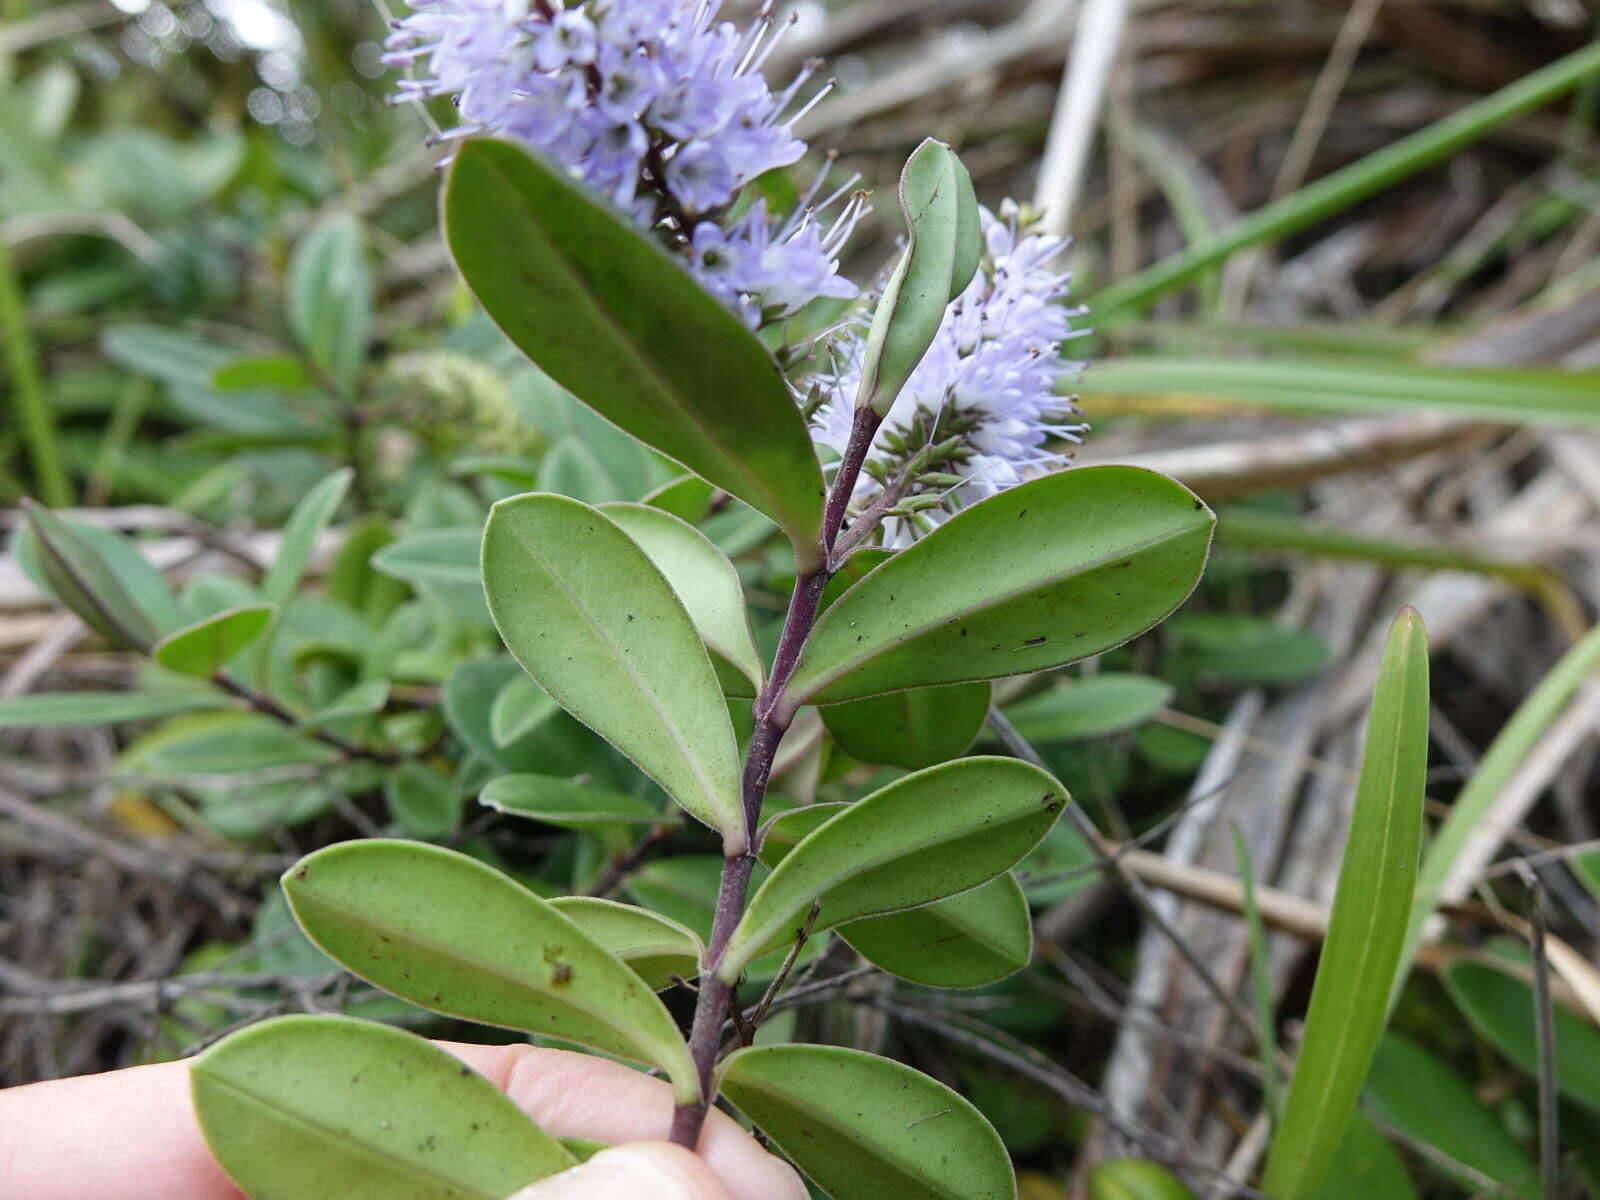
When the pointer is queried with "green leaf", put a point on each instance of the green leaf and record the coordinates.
(1500, 1008)
(457, 937)
(83, 580)
(594, 621)
(100, 708)
(1093, 706)
(1038, 576)
(702, 577)
(976, 938)
(1366, 930)
(422, 800)
(687, 497)
(121, 558)
(868, 1128)
(940, 258)
(1422, 1097)
(362, 700)
(1365, 1165)
(442, 556)
(911, 729)
(330, 299)
(1246, 649)
(608, 314)
(519, 708)
(654, 947)
(787, 830)
(330, 1108)
(1135, 1179)
(275, 372)
(309, 519)
(565, 802)
(922, 838)
(202, 648)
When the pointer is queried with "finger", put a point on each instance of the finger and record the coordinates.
(646, 1171)
(577, 1095)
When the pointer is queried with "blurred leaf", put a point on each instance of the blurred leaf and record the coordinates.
(362, 700)
(99, 708)
(274, 372)
(565, 802)
(309, 518)
(329, 1108)
(86, 582)
(1365, 1165)
(203, 647)
(1366, 930)
(943, 247)
(1423, 1098)
(1246, 649)
(912, 729)
(519, 708)
(1093, 706)
(1040, 575)
(593, 620)
(1501, 1009)
(330, 299)
(867, 1128)
(964, 941)
(1135, 1179)
(922, 838)
(687, 497)
(702, 577)
(423, 801)
(222, 743)
(654, 947)
(456, 936)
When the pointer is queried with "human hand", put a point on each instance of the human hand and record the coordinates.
(132, 1135)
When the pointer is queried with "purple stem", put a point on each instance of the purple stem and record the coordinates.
(772, 722)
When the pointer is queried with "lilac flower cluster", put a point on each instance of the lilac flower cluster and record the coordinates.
(981, 410)
(658, 105)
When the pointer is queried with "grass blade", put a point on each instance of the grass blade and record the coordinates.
(1366, 932)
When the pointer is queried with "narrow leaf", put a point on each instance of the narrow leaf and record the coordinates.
(1094, 706)
(609, 315)
(85, 582)
(100, 708)
(330, 299)
(868, 1128)
(1366, 930)
(458, 937)
(652, 946)
(566, 802)
(922, 838)
(330, 1108)
(596, 624)
(309, 519)
(202, 648)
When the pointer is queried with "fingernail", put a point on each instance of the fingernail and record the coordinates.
(621, 1173)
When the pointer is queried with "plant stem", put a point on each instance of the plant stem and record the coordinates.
(269, 707)
(27, 391)
(772, 717)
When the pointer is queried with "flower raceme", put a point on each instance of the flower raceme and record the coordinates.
(659, 106)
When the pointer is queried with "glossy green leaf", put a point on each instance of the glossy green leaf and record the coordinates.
(868, 1128)
(976, 938)
(653, 946)
(1093, 706)
(702, 577)
(942, 251)
(422, 800)
(202, 648)
(83, 580)
(330, 299)
(594, 621)
(310, 517)
(608, 314)
(922, 838)
(458, 937)
(1038, 576)
(1135, 1179)
(38, 709)
(330, 1108)
(1365, 1165)
(1500, 1008)
(519, 708)
(1422, 1097)
(911, 729)
(566, 802)
(1366, 929)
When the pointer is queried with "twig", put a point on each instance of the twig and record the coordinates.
(620, 867)
(1545, 1039)
(267, 706)
(776, 985)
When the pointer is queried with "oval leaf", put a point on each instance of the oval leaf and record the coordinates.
(1090, 707)
(968, 940)
(1135, 1179)
(655, 948)
(1367, 927)
(1041, 575)
(563, 802)
(703, 578)
(519, 708)
(922, 838)
(331, 1108)
(912, 729)
(609, 315)
(422, 800)
(202, 648)
(868, 1128)
(457, 937)
(593, 620)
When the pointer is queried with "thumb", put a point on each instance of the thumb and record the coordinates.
(642, 1171)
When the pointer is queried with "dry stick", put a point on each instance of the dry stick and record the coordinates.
(772, 720)
(1117, 869)
(1077, 114)
(1324, 95)
(1545, 1037)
